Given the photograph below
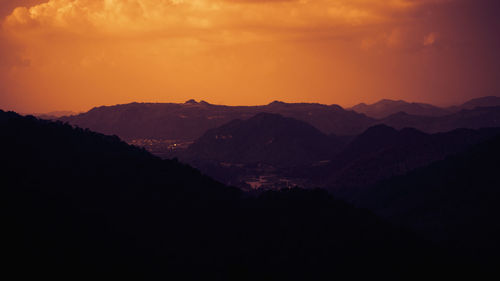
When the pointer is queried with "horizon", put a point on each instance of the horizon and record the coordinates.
(75, 55)
(349, 107)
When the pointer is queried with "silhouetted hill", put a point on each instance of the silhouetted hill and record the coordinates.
(53, 114)
(266, 137)
(479, 117)
(190, 120)
(76, 203)
(488, 101)
(383, 152)
(385, 107)
(453, 201)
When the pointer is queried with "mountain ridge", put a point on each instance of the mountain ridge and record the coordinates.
(266, 137)
(188, 121)
(386, 107)
(452, 201)
(75, 202)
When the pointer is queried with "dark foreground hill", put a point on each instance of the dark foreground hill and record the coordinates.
(76, 203)
(454, 201)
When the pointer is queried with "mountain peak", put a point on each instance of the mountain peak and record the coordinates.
(266, 137)
(481, 102)
(277, 102)
(191, 101)
(380, 129)
(389, 102)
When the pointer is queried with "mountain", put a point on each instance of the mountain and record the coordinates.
(75, 203)
(487, 101)
(188, 121)
(382, 152)
(54, 114)
(192, 119)
(266, 137)
(479, 117)
(295, 153)
(453, 201)
(385, 107)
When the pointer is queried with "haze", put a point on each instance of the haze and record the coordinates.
(75, 54)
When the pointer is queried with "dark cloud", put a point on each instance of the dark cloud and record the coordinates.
(331, 51)
(6, 6)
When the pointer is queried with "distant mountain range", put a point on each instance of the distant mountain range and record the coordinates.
(386, 107)
(487, 101)
(479, 117)
(190, 120)
(54, 114)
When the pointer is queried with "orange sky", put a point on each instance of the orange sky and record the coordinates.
(76, 54)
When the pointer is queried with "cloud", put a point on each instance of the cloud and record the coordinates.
(213, 22)
(147, 15)
(79, 53)
(7, 6)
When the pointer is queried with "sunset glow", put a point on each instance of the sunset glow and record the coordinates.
(76, 54)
